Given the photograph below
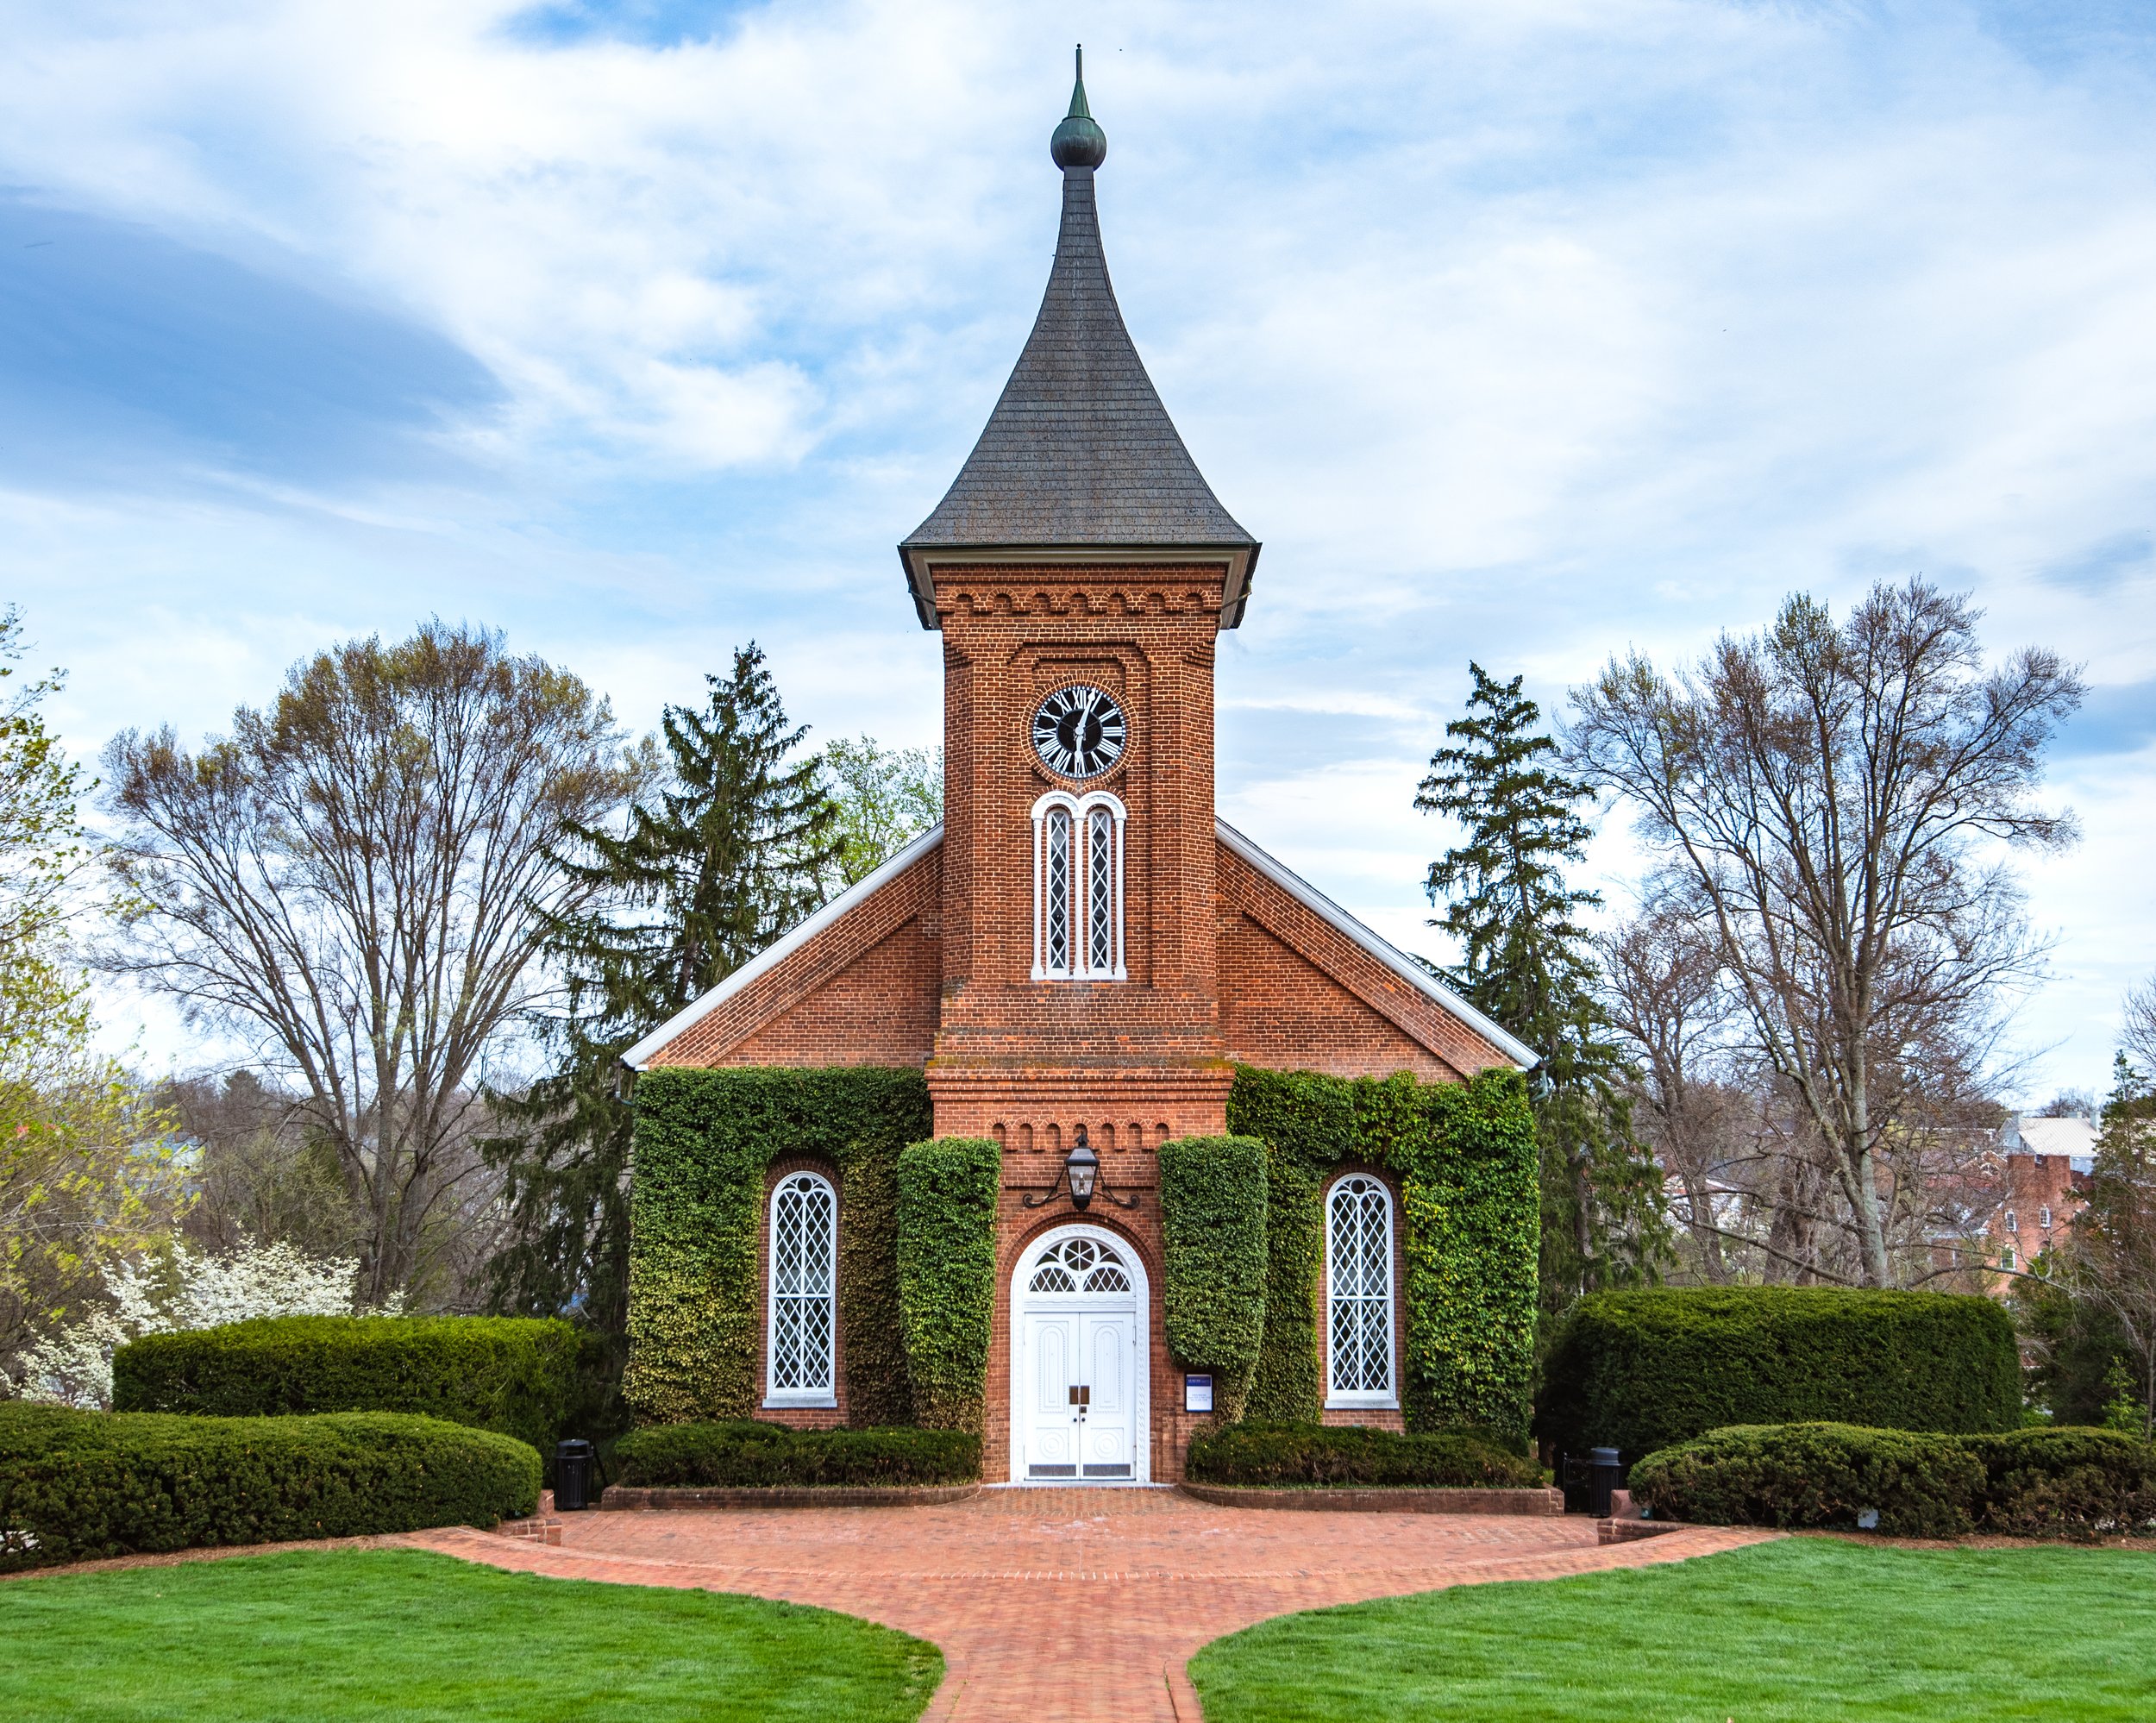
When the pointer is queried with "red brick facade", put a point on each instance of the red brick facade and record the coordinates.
(1225, 962)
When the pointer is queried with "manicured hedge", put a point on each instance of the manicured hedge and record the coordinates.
(1212, 1228)
(2036, 1482)
(742, 1454)
(704, 1142)
(78, 1485)
(1466, 1161)
(522, 1377)
(1639, 1371)
(947, 1270)
(1288, 1455)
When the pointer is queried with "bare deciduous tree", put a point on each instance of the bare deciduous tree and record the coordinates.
(358, 880)
(1835, 797)
(1664, 990)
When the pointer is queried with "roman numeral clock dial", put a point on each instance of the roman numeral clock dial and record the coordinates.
(1079, 731)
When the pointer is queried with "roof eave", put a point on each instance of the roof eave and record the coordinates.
(1376, 945)
(919, 560)
(781, 948)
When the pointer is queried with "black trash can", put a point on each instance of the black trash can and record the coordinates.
(1605, 1475)
(573, 1461)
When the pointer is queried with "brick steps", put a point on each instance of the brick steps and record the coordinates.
(1540, 1503)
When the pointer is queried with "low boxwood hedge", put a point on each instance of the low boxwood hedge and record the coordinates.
(78, 1485)
(520, 1376)
(1639, 1371)
(1288, 1455)
(2036, 1482)
(749, 1455)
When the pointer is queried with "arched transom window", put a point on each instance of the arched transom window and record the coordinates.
(1081, 1265)
(1078, 887)
(1359, 1290)
(804, 1313)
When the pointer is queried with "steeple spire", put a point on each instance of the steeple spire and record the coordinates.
(1078, 142)
(1079, 453)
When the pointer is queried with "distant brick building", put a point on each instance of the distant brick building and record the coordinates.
(1082, 945)
(2038, 1172)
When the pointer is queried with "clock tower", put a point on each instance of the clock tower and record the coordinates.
(1079, 569)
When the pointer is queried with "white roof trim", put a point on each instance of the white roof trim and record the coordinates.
(1386, 953)
(782, 947)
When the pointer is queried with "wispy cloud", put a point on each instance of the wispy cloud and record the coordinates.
(1526, 332)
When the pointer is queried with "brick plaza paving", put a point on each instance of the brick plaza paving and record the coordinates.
(1051, 1605)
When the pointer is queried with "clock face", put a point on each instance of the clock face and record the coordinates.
(1079, 731)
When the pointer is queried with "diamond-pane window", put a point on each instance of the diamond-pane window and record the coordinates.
(1359, 1273)
(1058, 891)
(804, 1287)
(1100, 891)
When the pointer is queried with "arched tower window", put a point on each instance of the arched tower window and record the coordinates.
(803, 1318)
(1078, 887)
(1359, 1293)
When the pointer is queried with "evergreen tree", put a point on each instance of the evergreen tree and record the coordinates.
(1524, 962)
(723, 859)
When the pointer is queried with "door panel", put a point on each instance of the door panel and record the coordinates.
(1052, 1447)
(1104, 1341)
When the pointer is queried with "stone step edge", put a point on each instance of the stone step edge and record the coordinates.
(1356, 1499)
(621, 1498)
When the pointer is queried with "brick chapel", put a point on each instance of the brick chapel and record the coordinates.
(1083, 950)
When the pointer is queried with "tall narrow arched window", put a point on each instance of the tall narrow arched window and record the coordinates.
(1078, 887)
(1100, 891)
(1359, 1262)
(1055, 894)
(803, 1318)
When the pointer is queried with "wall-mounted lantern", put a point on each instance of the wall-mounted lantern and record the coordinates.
(1082, 1171)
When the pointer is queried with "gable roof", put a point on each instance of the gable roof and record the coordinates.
(1079, 451)
(1405, 968)
(780, 949)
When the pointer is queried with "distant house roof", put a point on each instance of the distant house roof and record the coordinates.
(2025, 1136)
(1079, 453)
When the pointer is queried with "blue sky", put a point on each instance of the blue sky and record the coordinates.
(1527, 332)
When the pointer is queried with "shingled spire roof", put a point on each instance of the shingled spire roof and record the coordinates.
(1079, 451)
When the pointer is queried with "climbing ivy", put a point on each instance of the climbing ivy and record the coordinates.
(704, 1143)
(1465, 1155)
(947, 1272)
(1212, 1228)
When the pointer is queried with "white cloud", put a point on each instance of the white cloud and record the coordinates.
(1527, 333)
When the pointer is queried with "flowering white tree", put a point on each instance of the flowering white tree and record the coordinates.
(193, 1290)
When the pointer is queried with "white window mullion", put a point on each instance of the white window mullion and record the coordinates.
(801, 1314)
(1359, 1295)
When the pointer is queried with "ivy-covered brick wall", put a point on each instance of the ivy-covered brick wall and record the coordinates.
(705, 1140)
(1465, 1155)
(1212, 1249)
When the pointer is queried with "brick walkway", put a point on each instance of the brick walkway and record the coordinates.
(1057, 1606)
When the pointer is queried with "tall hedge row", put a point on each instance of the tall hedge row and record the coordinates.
(1212, 1214)
(76, 1486)
(1640, 1370)
(947, 1268)
(704, 1142)
(2058, 1482)
(520, 1376)
(1465, 1155)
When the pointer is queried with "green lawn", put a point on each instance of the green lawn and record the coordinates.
(1808, 1628)
(383, 1634)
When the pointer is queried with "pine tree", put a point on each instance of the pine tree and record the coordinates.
(1524, 962)
(722, 860)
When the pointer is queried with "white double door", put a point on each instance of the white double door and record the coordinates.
(1081, 1416)
(1079, 1405)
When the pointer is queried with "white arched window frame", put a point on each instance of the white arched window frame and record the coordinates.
(1358, 1279)
(1078, 887)
(801, 1310)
